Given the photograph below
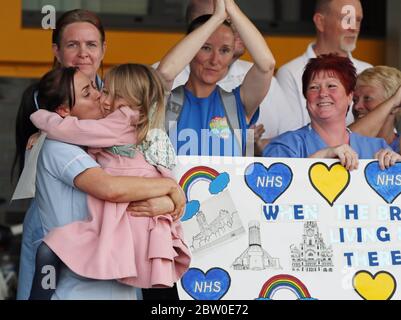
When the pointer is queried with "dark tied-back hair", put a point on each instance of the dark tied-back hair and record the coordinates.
(197, 22)
(55, 88)
(342, 67)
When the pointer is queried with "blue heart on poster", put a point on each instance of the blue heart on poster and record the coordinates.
(386, 183)
(268, 183)
(212, 285)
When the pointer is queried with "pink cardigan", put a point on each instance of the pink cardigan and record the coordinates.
(139, 251)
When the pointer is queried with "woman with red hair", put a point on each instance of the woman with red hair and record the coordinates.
(328, 83)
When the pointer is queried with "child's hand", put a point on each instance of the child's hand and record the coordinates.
(32, 140)
(151, 207)
(179, 199)
(177, 216)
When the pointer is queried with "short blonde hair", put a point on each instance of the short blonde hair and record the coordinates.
(389, 78)
(142, 88)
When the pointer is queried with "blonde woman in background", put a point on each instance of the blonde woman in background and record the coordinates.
(377, 99)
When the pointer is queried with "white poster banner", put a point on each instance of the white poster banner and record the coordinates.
(268, 228)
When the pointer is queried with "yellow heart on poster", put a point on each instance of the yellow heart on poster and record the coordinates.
(381, 286)
(330, 182)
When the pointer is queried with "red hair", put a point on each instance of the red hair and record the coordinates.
(341, 67)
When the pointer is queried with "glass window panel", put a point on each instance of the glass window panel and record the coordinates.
(289, 17)
(136, 7)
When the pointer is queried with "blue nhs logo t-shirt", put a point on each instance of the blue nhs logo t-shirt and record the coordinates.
(203, 128)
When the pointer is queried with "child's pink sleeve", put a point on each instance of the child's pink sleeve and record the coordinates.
(92, 133)
(166, 173)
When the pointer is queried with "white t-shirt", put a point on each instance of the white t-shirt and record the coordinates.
(275, 111)
(290, 78)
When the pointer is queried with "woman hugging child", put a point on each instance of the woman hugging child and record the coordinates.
(144, 252)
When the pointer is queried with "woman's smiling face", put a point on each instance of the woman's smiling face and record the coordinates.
(326, 98)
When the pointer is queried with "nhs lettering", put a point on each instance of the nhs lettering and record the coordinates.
(386, 183)
(388, 180)
(207, 286)
(268, 183)
(212, 285)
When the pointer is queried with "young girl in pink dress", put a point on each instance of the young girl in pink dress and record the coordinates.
(144, 252)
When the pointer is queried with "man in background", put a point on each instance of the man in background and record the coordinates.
(337, 30)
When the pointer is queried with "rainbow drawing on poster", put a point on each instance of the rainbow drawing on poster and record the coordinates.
(284, 281)
(217, 183)
(194, 175)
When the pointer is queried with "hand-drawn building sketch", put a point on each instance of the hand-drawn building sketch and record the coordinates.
(255, 257)
(217, 222)
(312, 254)
(225, 225)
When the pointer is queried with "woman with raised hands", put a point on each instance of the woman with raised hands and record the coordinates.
(213, 126)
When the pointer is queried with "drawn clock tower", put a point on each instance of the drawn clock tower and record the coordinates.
(312, 255)
(309, 230)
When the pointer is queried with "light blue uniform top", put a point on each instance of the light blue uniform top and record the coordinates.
(31, 238)
(304, 142)
(203, 127)
(395, 145)
(58, 202)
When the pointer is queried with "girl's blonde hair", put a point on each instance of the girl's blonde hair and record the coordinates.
(142, 88)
